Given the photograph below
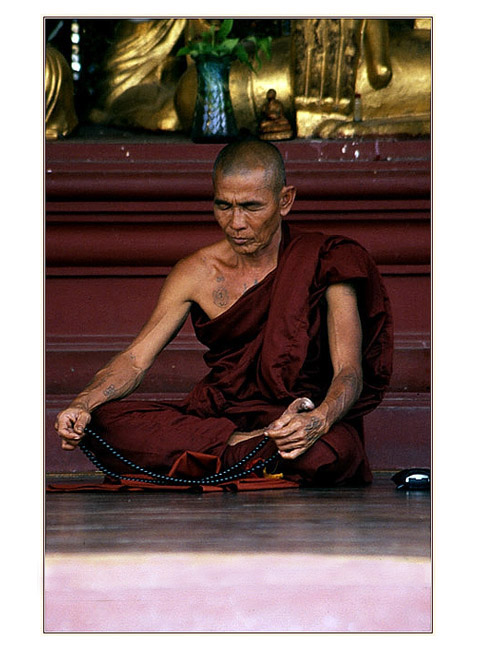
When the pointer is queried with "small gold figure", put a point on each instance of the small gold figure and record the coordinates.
(274, 125)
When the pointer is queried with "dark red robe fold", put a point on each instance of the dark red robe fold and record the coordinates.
(268, 348)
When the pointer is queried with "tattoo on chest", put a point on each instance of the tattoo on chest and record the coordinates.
(247, 286)
(220, 297)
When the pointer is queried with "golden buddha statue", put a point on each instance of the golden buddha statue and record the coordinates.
(274, 125)
(60, 114)
(337, 59)
(141, 75)
(317, 72)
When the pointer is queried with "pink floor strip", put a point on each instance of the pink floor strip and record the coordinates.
(188, 592)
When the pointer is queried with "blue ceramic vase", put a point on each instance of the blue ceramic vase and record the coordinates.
(214, 119)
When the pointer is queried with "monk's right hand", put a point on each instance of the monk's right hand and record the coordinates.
(70, 425)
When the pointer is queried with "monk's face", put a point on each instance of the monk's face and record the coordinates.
(249, 210)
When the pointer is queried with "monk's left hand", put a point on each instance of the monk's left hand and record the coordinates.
(295, 433)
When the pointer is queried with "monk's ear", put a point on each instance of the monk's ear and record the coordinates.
(287, 198)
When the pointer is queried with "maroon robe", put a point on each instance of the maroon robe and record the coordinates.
(267, 349)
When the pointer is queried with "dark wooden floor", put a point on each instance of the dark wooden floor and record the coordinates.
(377, 520)
(316, 560)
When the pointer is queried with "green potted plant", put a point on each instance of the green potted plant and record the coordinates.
(213, 53)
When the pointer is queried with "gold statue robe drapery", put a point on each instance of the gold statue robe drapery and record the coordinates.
(60, 114)
(139, 80)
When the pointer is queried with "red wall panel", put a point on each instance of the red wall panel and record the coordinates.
(119, 215)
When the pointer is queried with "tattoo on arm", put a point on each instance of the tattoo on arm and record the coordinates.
(313, 425)
(342, 394)
(109, 391)
(101, 388)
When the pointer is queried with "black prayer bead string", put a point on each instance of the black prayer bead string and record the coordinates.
(226, 475)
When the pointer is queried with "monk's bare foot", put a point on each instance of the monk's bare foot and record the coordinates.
(241, 436)
(297, 406)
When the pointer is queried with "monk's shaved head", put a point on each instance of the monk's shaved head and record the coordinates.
(242, 157)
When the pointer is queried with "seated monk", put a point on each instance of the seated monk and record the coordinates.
(299, 338)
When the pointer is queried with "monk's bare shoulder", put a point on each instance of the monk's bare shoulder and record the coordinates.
(199, 270)
(205, 260)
